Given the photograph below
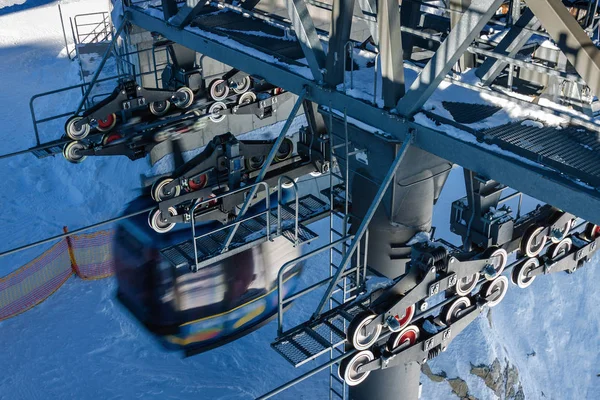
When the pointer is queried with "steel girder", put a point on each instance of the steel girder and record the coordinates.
(390, 52)
(186, 13)
(339, 34)
(546, 185)
(369, 9)
(509, 46)
(451, 49)
(570, 37)
(307, 37)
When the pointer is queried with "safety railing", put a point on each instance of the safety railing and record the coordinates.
(127, 69)
(235, 225)
(91, 27)
(279, 198)
(282, 301)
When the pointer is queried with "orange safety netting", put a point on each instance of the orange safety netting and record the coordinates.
(88, 255)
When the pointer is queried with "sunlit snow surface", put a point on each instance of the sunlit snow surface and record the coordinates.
(80, 344)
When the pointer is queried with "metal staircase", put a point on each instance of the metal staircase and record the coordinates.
(326, 333)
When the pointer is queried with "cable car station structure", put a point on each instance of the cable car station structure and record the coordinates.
(388, 118)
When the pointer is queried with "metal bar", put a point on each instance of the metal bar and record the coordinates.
(307, 37)
(187, 13)
(366, 220)
(570, 37)
(249, 4)
(102, 62)
(390, 53)
(305, 376)
(86, 228)
(286, 267)
(62, 24)
(510, 45)
(369, 9)
(267, 163)
(339, 34)
(455, 44)
(279, 194)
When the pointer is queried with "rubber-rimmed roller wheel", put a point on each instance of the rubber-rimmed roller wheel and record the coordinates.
(495, 290)
(285, 150)
(244, 86)
(158, 223)
(357, 334)
(465, 285)
(498, 259)
(349, 367)
(218, 93)
(110, 137)
(198, 182)
(71, 150)
(214, 109)
(533, 241)
(592, 231)
(247, 98)
(255, 162)
(184, 97)
(403, 339)
(288, 184)
(407, 317)
(74, 133)
(106, 124)
(159, 193)
(519, 273)
(558, 250)
(159, 108)
(449, 313)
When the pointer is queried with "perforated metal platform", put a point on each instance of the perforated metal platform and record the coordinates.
(465, 113)
(309, 341)
(49, 149)
(249, 233)
(571, 150)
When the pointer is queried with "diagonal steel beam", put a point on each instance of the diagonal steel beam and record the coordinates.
(364, 224)
(187, 13)
(456, 43)
(509, 46)
(369, 9)
(307, 36)
(249, 4)
(339, 34)
(570, 38)
(169, 8)
(390, 52)
(265, 167)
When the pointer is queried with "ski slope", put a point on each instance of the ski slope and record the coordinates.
(81, 344)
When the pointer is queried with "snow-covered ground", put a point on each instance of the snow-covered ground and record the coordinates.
(80, 344)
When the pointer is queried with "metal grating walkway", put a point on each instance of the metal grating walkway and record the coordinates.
(465, 113)
(572, 150)
(317, 337)
(249, 232)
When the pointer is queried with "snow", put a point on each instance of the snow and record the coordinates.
(81, 344)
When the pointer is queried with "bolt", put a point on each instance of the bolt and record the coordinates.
(453, 280)
(424, 360)
(443, 348)
(424, 306)
(432, 270)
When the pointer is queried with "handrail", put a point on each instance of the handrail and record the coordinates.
(289, 265)
(200, 202)
(279, 195)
